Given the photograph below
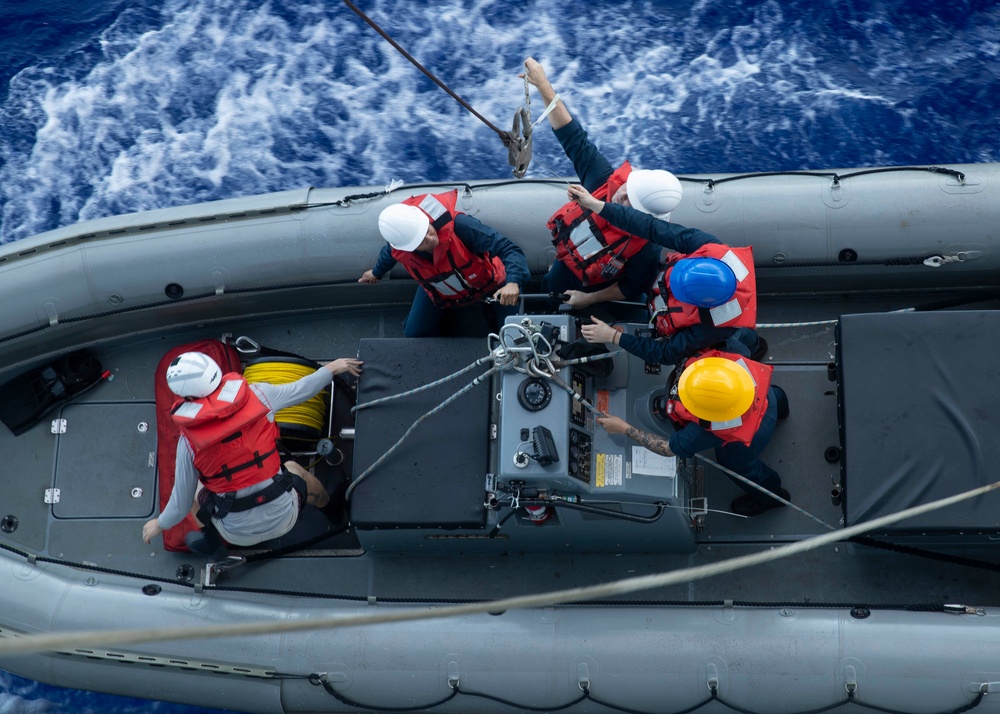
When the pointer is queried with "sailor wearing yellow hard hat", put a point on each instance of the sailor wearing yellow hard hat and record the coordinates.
(722, 400)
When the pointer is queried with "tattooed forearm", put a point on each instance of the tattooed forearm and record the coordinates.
(656, 444)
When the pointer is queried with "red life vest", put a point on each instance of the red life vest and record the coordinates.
(455, 275)
(593, 249)
(234, 442)
(741, 429)
(670, 316)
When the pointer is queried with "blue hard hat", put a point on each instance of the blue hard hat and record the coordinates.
(705, 282)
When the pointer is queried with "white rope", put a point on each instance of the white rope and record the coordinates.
(557, 176)
(768, 325)
(62, 641)
(423, 387)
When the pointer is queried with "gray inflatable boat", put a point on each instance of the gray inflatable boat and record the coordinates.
(466, 562)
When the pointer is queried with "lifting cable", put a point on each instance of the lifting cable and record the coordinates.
(517, 141)
(764, 491)
(471, 385)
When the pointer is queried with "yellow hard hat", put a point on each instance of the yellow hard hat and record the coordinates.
(716, 389)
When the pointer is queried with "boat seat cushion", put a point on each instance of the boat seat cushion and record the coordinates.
(167, 432)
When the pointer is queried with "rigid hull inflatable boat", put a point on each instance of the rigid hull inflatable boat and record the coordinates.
(878, 292)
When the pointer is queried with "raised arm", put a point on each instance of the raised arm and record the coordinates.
(535, 74)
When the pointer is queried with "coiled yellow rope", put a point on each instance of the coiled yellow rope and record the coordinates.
(311, 413)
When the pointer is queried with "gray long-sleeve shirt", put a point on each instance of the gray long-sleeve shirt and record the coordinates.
(263, 522)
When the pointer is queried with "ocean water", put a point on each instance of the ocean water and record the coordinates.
(111, 106)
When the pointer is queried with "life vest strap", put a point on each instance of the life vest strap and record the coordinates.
(257, 461)
(615, 247)
(222, 504)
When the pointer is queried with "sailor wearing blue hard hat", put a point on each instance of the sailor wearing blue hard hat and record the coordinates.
(705, 282)
(705, 294)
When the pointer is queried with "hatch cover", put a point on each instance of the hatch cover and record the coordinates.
(106, 461)
(919, 394)
(437, 477)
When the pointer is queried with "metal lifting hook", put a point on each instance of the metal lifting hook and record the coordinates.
(518, 142)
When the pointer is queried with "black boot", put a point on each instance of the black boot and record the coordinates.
(783, 408)
(750, 506)
(761, 351)
(206, 542)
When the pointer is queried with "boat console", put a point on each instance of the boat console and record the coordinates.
(517, 460)
(548, 438)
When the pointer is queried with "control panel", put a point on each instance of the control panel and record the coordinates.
(550, 450)
(536, 413)
(548, 439)
(580, 455)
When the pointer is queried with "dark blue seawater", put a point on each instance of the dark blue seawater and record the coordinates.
(110, 106)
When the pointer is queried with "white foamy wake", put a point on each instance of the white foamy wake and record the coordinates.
(20, 696)
(221, 98)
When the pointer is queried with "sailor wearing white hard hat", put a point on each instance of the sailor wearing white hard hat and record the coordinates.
(456, 260)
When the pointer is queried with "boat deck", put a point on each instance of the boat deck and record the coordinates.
(99, 522)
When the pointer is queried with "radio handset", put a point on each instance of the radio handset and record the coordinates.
(544, 446)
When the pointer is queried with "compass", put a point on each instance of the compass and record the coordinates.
(534, 394)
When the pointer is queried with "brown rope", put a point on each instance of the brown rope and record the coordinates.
(504, 136)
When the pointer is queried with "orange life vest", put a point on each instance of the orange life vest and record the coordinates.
(593, 249)
(455, 275)
(670, 315)
(743, 428)
(234, 442)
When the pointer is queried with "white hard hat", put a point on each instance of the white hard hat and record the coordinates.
(193, 374)
(403, 226)
(653, 191)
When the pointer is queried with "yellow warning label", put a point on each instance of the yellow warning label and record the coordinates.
(608, 470)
